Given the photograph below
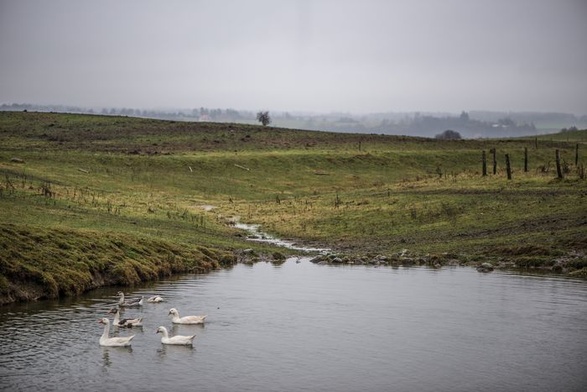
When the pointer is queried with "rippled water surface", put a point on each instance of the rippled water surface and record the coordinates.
(305, 327)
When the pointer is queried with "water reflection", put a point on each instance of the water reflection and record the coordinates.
(116, 352)
(186, 329)
(314, 328)
(173, 350)
(106, 357)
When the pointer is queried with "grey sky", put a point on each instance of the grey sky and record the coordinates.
(358, 56)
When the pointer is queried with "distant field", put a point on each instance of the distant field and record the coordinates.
(147, 181)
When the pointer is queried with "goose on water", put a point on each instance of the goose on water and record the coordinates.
(131, 303)
(117, 322)
(175, 319)
(155, 299)
(183, 340)
(105, 340)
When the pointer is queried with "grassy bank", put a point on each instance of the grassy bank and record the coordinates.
(127, 183)
(47, 263)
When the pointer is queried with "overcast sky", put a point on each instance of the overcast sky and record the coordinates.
(357, 56)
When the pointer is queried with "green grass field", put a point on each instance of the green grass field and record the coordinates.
(79, 192)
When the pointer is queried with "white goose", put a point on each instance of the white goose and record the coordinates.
(105, 340)
(117, 322)
(129, 304)
(155, 299)
(175, 319)
(182, 340)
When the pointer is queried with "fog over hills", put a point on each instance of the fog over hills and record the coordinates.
(473, 124)
(344, 65)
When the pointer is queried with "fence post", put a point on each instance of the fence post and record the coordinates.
(577, 155)
(559, 172)
(525, 159)
(508, 166)
(494, 161)
(484, 163)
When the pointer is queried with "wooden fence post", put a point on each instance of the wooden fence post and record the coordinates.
(484, 163)
(494, 160)
(559, 172)
(577, 155)
(525, 159)
(508, 166)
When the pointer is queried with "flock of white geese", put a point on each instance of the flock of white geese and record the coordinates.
(119, 341)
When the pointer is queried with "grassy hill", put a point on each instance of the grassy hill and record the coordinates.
(92, 200)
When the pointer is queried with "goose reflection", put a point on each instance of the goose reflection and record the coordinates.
(107, 351)
(173, 351)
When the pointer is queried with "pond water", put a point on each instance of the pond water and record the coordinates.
(307, 327)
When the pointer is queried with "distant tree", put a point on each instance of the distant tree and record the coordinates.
(464, 116)
(232, 114)
(506, 122)
(449, 135)
(215, 113)
(571, 129)
(264, 118)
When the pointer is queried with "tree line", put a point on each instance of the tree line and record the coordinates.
(466, 125)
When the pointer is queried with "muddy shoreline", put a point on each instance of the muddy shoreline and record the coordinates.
(562, 266)
(28, 289)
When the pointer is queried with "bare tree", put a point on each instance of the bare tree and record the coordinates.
(264, 118)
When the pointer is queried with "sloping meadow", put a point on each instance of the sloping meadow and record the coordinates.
(106, 196)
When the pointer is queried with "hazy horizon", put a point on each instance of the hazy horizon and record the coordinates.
(298, 55)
